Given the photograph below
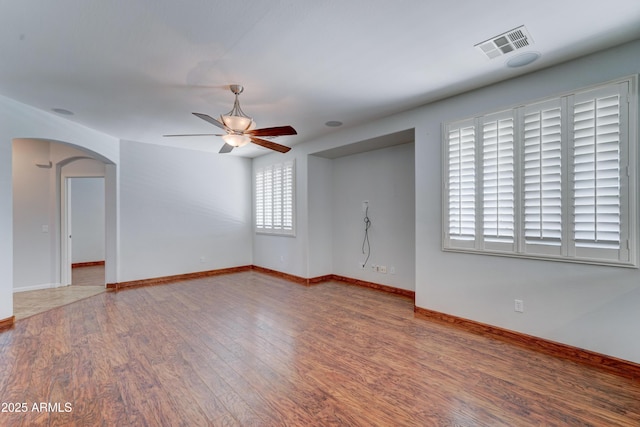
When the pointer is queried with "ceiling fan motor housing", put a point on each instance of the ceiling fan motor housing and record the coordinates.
(236, 89)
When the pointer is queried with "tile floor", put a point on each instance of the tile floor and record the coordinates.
(86, 282)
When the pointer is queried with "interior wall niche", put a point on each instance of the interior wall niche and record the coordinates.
(377, 186)
(381, 172)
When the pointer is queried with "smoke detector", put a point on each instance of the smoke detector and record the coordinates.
(504, 43)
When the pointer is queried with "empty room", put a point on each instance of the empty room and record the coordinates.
(236, 213)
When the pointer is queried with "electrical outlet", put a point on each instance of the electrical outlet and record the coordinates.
(374, 267)
(360, 265)
(382, 269)
(519, 306)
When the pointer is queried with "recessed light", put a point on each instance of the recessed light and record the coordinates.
(333, 123)
(62, 111)
(522, 59)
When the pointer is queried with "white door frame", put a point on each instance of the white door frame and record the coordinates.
(65, 232)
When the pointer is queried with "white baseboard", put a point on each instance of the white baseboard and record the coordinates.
(36, 287)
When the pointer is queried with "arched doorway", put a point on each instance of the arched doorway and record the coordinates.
(40, 169)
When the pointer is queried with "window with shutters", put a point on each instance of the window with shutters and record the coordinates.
(274, 198)
(551, 179)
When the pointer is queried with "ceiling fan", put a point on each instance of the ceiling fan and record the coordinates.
(241, 129)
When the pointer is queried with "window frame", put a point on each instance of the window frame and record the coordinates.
(567, 250)
(277, 211)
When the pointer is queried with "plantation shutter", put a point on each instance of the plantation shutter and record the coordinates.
(268, 198)
(542, 174)
(498, 188)
(461, 206)
(277, 197)
(260, 198)
(274, 198)
(287, 197)
(596, 169)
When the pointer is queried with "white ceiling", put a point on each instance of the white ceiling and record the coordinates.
(136, 69)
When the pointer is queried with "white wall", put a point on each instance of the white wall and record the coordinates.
(182, 211)
(384, 178)
(6, 223)
(33, 224)
(87, 219)
(320, 193)
(592, 307)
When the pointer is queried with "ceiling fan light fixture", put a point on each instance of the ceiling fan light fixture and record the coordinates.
(236, 140)
(238, 123)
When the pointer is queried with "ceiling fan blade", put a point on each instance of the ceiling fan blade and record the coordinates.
(208, 118)
(270, 145)
(275, 131)
(194, 134)
(226, 148)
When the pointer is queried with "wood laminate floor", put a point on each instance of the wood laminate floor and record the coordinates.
(249, 349)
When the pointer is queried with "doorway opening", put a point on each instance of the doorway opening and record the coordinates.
(84, 223)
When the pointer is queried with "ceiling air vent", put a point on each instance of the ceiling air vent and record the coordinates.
(506, 42)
